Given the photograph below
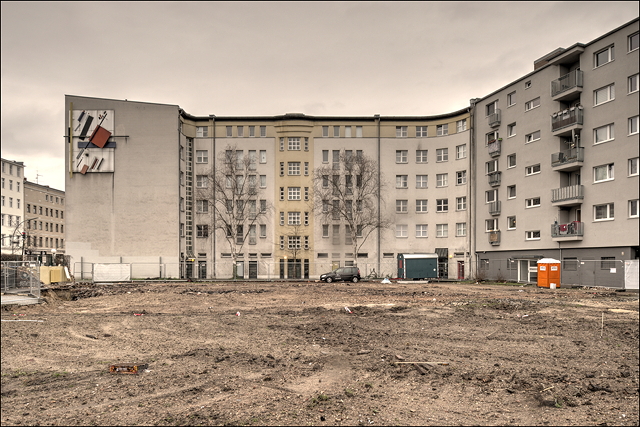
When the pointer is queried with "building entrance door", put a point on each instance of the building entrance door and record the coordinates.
(460, 270)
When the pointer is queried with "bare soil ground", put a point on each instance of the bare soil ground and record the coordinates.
(398, 354)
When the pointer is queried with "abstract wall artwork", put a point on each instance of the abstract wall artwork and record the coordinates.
(92, 144)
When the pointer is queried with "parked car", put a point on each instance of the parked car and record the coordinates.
(347, 274)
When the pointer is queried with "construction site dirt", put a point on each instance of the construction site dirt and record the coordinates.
(309, 353)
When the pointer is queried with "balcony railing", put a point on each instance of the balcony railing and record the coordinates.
(495, 178)
(494, 147)
(494, 118)
(571, 229)
(566, 82)
(494, 208)
(572, 192)
(494, 237)
(572, 155)
(568, 117)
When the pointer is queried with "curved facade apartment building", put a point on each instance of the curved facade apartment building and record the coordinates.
(523, 173)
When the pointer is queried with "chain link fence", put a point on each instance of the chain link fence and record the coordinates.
(21, 277)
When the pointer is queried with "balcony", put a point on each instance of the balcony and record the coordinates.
(494, 118)
(495, 179)
(494, 237)
(494, 208)
(568, 87)
(571, 231)
(568, 160)
(564, 122)
(571, 195)
(494, 147)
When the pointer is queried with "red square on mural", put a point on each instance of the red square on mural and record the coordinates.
(100, 136)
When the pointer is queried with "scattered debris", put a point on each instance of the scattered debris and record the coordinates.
(237, 313)
(347, 310)
(126, 368)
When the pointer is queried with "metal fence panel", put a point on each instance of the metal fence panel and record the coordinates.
(21, 276)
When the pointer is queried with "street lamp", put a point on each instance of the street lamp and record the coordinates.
(15, 238)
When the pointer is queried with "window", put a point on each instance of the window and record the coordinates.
(534, 136)
(401, 181)
(252, 131)
(491, 224)
(336, 159)
(532, 235)
(511, 161)
(401, 206)
(605, 94)
(461, 203)
(603, 212)
(603, 173)
(442, 130)
(461, 229)
(202, 131)
(511, 130)
(347, 131)
(532, 203)
(336, 131)
(570, 264)
(281, 168)
(633, 125)
(461, 151)
(263, 181)
(442, 155)
(442, 180)
(263, 156)
(421, 180)
(532, 170)
(325, 156)
(294, 168)
(491, 166)
(281, 144)
(229, 131)
(293, 218)
(202, 206)
(632, 43)
(490, 196)
(633, 208)
(421, 156)
(633, 167)
(293, 242)
(461, 125)
(202, 156)
(421, 131)
(401, 156)
(421, 230)
(325, 131)
(240, 131)
(530, 105)
(358, 131)
(511, 192)
(461, 177)
(202, 230)
(632, 83)
(490, 137)
(603, 57)
(511, 223)
(281, 218)
(263, 131)
(442, 230)
(511, 99)
(421, 206)
(401, 131)
(491, 108)
(202, 181)
(442, 205)
(401, 230)
(294, 193)
(527, 84)
(603, 134)
(293, 143)
(325, 230)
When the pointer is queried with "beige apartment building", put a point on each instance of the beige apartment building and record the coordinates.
(523, 173)
(44, 216)
(12, 206)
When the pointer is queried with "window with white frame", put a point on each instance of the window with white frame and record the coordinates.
(532, 235)
(511, 223)
(442, 205)
(202, 181)
(294, 168)
(442, 230)
(533, 136)
(401, 206)
(632, 42)
(401, 131)
(532, 170)
(202, 131)
(490, 137)
(281, 193)
(325, 156)
(603, 212)
(603, 57)
(533, 202)
(461, 125)
(603, 134)
(603, 173)
(442, 130)
(421, 230)
(421, 206)
(325, 131)
(229, 131)
(347, 131)
(421, 156)
(202, 156)
(511, 130)
(282, 144)
(306, 193)
(240, 131)
(202, 206)
(253, 160)
(530, 105)
(325, 230)
(294, 193)
(401, 156)
(263, 131)
(491, 166)
(358, 131)
(402, 230)
(527, 84)
(335, 159)
(511, 192)
(461, 229)
(263, 156)
(401, 181)
(421, 181)
(293, 143)
(252, 131)
(202, 230)
(491, 224)
(632, 83)
(281, 218)
(281, 168)
(461, 177)
(421, 131)
(490, 196)
(461, 203)
(511, 99)
(263, 231)
(293, 242)
(633, 125)
(293, 218)
(511, 161)
(632, 168)
(604, 94)
(633, 208)
(442, 155)
(442, 180)
(491, 108)
(336, 131)
(263, 181)
(461, 151)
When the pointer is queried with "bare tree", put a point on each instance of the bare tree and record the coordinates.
(231, 198)
(349, 192)
(295, 246)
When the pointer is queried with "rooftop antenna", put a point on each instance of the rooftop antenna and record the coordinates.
(37, 175)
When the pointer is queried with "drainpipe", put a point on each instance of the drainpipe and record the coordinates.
(213, 155)
(377, 120)
(472, 190)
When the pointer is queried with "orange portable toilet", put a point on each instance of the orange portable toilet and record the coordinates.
(548, 273)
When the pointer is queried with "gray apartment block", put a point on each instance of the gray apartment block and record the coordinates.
(546, 166)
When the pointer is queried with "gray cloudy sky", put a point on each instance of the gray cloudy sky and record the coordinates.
(269, 58)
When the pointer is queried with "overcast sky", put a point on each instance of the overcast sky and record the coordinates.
(270, 58)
